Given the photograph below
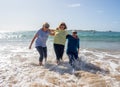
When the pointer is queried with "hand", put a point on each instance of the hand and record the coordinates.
(78, 51)
(29, 47)
(52, 32)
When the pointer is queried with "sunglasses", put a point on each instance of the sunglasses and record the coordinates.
(74, 32)
(62, 25)
(46, 27)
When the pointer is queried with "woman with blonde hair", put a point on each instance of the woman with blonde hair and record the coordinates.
(59, 41)
(41, 37)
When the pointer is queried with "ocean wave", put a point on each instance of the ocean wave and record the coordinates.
(19, 68)
(84, 36)
(97, 40)
(16, 36)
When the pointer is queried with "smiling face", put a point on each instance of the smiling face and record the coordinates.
(45, 28)
(62, 26)
(74, 34)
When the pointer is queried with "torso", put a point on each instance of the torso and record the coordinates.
(73, 43)
(42, 38)
(60, 37)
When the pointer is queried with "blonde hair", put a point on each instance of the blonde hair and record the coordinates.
(46, 25)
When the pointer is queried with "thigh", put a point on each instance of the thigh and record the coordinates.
(40, 50)
(61, 48)
(76, 55)
(56, 48)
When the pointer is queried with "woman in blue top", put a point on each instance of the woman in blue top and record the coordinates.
(41, 37)
(72, 47)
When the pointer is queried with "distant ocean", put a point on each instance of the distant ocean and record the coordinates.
(88, 39)
(19, 65)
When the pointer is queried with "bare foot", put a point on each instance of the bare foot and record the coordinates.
(58, 62)
(40, 63)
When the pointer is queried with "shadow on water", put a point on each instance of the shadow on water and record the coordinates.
(89, 67)
(63, 68)
(80, 64)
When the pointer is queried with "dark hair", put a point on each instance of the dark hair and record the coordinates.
(63, 24)
(74, 32)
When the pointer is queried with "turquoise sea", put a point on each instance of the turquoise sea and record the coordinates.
(88, 39)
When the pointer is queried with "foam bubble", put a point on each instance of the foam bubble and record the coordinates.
(19, 67)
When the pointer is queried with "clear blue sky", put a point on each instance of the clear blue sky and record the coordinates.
(102, 15)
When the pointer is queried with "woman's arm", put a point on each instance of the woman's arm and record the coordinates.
(33, 40)
(78, 46)
(78, 50)
(52, 32)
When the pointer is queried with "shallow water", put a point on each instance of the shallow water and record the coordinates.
(19, 68)
(98, 65)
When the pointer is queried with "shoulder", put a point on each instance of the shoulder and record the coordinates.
(65, 32)
(68, 36)
(38, 31)
(57, 30)
(48, 32)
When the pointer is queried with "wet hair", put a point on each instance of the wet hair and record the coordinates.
(63, 24)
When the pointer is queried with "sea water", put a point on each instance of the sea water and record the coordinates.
(99, 55)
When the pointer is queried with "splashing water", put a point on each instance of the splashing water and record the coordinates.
(19, 67)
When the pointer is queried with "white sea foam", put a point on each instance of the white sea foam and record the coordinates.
(19, 68)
